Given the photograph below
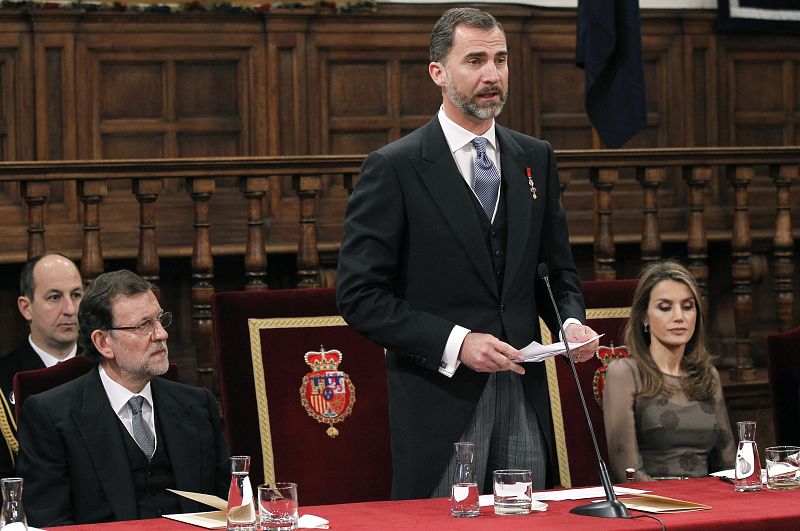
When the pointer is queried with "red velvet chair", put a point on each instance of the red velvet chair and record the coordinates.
(27, 383)
(261, 340)
(607, 312)
(783, 371)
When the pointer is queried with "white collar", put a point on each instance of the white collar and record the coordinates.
(48, 359)
(118, 395)
(457, 137)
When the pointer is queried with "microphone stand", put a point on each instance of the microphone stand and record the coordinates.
(612, 507)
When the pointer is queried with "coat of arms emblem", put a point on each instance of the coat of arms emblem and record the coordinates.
(327, 394)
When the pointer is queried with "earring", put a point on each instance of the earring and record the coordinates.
(646, 330)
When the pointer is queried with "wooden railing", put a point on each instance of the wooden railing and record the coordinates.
(704, 183)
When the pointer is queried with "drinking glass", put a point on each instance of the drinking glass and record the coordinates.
(783, 467)
(747, 477)
(512, 491)
(464, 494)
(241, 510)
(277, 506)
(13, 514)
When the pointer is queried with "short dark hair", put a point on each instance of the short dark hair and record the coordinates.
(442, 34)
(27, 284)
(95, 311)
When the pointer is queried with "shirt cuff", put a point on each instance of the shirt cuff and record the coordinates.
(569, 321)
(450, 361)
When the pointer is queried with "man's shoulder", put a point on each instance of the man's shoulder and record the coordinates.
(193, 392)
(411, 142)
(525, 141)
(21, 358)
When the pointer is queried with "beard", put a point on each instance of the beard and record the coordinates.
(471, 107)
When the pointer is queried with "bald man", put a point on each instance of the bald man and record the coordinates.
(50, 293)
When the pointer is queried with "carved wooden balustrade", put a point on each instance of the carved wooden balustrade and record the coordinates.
(705, 196)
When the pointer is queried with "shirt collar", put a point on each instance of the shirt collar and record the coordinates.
(118, 395)
(48, 359)
(457, 137)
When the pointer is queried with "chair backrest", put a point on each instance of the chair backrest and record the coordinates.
(783, 371)
(27, 383)
(607, 312)
(270, 411)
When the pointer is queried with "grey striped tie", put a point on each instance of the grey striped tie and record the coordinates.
(487, 178)
(142, 433)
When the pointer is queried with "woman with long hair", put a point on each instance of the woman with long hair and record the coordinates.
(664, 412)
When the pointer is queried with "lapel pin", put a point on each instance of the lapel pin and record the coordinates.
(530, 182)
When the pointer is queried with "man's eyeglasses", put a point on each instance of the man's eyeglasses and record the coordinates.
(147, 327)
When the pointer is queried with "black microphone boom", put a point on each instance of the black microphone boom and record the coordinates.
(612, 507)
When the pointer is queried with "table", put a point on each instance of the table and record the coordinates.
(768, 509)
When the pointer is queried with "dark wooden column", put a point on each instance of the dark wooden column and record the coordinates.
(201, 190)
(783, 243)
(697, 178)
(604, 252)
(650, 179)
(147, 262)
(91, 194)
(35, 194)
(740, 177)
(255, 254)
(307, 188)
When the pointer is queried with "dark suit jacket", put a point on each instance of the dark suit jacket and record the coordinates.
(414, 263)
(73, 457)
(24, 358)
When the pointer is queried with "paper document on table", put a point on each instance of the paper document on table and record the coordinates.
(582, 493)
(651, 503)
(207, 499)
(207, 520)
(538, 352)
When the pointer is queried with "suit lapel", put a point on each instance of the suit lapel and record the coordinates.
(98, 426)
(514, 161)
(441, 177)
(181, 439)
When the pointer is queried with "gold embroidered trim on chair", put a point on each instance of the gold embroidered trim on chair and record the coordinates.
(255, 326)
(6, 422)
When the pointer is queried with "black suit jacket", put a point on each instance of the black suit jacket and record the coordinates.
(73, 458)
(414, 263)
(24, 358)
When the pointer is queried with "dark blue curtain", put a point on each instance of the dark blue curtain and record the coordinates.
(609, 49)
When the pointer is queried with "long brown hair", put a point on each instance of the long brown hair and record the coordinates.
(700, 382)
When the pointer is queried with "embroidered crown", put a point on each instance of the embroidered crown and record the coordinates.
(323, 360)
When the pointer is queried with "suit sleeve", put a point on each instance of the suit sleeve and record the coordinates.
(222, 470)
(42, 464)
(370, 275)
(554, 250)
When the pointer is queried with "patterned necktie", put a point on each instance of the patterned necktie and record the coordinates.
(142, 433)
(487, 178)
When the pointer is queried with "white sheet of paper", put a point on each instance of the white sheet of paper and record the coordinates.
(582, 493)
(535, 352)
(208, 499)
(207, 520)
(731, 474)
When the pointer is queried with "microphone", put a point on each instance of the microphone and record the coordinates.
(612, 507)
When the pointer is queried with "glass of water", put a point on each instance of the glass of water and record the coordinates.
(512, 491)
(277, 506)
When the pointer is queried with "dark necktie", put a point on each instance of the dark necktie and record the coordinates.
(487, 178)
(142, 433)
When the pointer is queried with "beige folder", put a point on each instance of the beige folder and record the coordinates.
(659, 504)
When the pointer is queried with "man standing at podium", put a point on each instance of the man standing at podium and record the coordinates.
(443, 236)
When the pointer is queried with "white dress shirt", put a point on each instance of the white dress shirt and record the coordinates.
(48, 359)
(118, 397)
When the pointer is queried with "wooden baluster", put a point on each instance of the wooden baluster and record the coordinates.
(35, 194)
(308, 188)
(147, 263)
(255, 254)
(650, 179)
(201, 190)
(564, 178)
(740, 177)
(91, 194)
(349, 181)
(604, 260)
(697, 178)
(783, 243)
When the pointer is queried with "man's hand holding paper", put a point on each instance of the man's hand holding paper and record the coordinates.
(535, 352)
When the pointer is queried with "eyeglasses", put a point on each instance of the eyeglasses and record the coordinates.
(147, 327)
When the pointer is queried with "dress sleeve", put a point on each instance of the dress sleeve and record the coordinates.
(724, 451)
(620, 423)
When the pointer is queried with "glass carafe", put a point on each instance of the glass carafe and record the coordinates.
(747, 469)
(13, 514)
(241, 508)
(464, 494)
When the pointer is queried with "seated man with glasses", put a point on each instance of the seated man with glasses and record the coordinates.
(106, 446)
